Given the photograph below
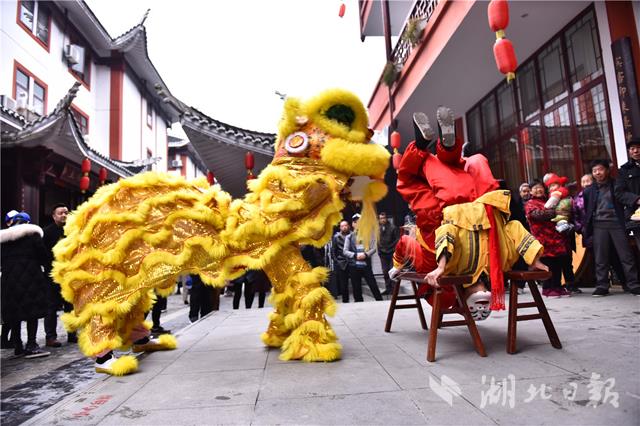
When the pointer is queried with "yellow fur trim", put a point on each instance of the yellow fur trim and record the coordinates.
(147, 324)
(168, 341)
(310, 342)
(355, 159)
(124, 365)
(315, 108)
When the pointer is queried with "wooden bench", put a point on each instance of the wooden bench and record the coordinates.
(529, 277)
(437, 311)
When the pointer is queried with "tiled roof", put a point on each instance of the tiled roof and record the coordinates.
(55, 124)
(256, 141)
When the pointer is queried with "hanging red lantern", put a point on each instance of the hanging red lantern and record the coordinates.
(505, 57)
(342, 10)
(396, 140)
(84, 183)
(503, 51)
(248, 160)
(397, 158)
(210, 177)
(498, 12)
(86, 165)
(102, 176)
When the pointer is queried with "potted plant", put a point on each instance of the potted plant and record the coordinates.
(413, 31)
(390, 73)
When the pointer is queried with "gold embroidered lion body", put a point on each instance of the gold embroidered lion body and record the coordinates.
(138, 235)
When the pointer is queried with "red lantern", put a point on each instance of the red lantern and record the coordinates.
(84, 183)
(342, 10)
(102, 176)
(396, 140)
(248, 160)
(86, 165)
(498, 12)
(210, 177)
(505, 57)
(397, 158)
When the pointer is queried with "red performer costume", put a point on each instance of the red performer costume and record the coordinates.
(429, 183)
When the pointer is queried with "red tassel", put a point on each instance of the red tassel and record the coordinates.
(496, 274)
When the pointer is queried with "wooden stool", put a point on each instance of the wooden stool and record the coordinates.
(530, 277)
(437, 311)
(394, 304)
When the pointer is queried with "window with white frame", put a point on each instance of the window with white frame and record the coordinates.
(35, 18)
(31, 90)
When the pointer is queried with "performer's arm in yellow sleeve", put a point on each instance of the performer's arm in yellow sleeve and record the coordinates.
(445, 240)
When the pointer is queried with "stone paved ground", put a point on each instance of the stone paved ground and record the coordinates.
(222, 374)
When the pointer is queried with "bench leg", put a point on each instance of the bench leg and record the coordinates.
(392, 306)
(423, 321)
(471, 324)
(546, 320)
(433, 332)
(513, 318)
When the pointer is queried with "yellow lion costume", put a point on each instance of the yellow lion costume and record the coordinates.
(139, 234)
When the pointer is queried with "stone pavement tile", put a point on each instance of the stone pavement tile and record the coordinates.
(556, 404)
(223, 342)
(348, 376)
(228, 415)
(437, 411)
(379, 408)
(467, 367)
(89, 406)
(194, 390)
(584, 359)
(194, 362)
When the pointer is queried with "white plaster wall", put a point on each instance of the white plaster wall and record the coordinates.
(131, 121)
(620, 151)
(99, 120)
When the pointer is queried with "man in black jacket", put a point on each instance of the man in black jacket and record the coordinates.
(389, 236)
(627, 189)
(605, 224)
(52, 234)
(340, 261)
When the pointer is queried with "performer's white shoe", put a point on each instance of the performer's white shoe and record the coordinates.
(447, 126)
(117, 366)
(479, 304)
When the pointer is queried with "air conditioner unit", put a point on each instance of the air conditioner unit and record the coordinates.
(22, 103)
(8, 102)
(73, 53)
(176, 164)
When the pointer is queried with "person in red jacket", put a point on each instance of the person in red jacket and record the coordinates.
(430, 182)
(544, 230)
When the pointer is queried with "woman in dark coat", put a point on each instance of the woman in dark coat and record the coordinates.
(23, 284)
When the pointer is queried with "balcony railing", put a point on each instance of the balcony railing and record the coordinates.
(422, 10)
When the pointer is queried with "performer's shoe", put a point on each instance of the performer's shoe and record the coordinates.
(636, 215)
(423, 131)
(479, 305)
(446, 127)
(117, 366)
(53, 343)
(159, 330)
(72, 338)
(35, 352)
(164, 342)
